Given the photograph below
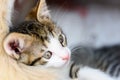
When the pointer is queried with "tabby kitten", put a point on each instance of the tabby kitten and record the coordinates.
(38, 41)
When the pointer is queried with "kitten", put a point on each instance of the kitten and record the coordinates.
(9, 68)
(37, 41)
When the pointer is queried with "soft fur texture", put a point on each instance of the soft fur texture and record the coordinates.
(11, 70)
(88, 73)
(38, 41)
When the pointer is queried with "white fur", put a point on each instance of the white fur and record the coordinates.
(58, 53)
(88, 73)
(85, 73)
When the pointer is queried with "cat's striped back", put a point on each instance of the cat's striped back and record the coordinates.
(108, 60)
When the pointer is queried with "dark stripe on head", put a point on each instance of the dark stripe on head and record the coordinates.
(34, 28)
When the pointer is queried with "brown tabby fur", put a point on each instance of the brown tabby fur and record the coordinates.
(9, 68)
(35, 36)
(35, 33)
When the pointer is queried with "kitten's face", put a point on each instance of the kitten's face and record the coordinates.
(38, 43)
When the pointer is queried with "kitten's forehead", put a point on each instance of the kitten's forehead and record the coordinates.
(38, 29)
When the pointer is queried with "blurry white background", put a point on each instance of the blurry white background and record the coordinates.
(93, 24)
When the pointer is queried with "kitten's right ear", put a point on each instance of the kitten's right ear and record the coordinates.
(15, 44)
(42, 10)
(39, 12)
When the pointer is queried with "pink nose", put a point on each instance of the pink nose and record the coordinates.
(65, 57)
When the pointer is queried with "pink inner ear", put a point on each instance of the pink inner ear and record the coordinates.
(14, 45)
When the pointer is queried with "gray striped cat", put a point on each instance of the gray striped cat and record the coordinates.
(39, 42)
(106, 59)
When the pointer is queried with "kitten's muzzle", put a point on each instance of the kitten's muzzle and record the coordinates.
(67, 57)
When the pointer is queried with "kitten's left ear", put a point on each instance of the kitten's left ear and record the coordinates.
(39, 12)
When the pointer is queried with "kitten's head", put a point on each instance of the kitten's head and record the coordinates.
(38, 42)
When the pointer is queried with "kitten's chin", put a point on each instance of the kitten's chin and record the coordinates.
(63, 64)
(60, 64)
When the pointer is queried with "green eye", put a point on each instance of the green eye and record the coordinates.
(47, 55)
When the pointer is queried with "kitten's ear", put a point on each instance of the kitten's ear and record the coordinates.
(40, 11)
(15, 44)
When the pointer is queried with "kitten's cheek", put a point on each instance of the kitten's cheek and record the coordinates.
(68, 50)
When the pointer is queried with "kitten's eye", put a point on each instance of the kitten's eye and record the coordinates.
(47, 55)
(62, 40)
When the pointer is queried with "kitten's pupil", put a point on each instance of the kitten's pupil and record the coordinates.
(47, 55)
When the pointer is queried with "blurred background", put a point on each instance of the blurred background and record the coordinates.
(93, 23)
